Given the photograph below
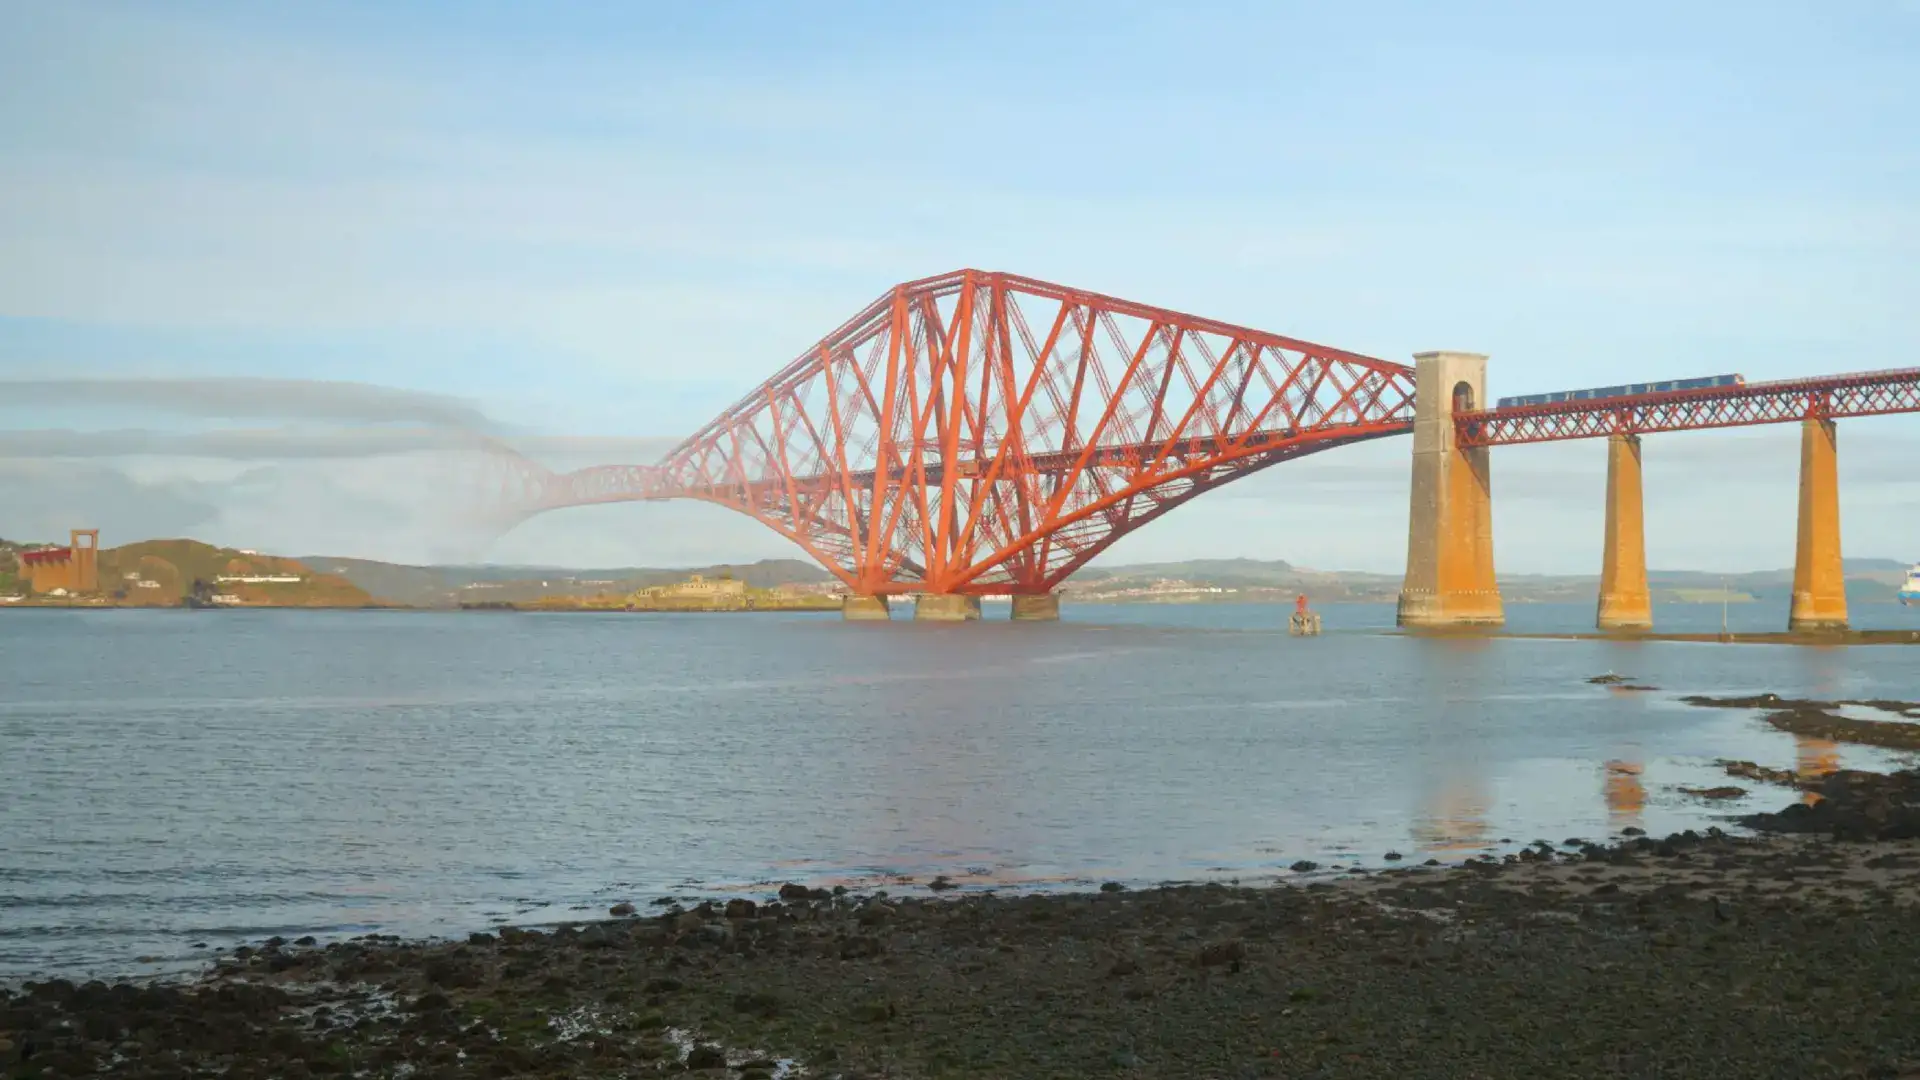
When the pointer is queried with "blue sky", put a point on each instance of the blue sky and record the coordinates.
(612, 219)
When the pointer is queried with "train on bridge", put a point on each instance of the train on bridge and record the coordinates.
(1711, 382)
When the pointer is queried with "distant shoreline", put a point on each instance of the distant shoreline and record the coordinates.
(1767, 637)
(555, 606)
(1851, 637)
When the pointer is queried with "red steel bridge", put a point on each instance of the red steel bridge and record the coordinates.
(983, 433)
(1831, 397)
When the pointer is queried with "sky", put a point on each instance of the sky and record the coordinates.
(269, 274)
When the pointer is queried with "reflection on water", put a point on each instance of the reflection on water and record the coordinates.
(1826, 681)
(254, 773)
(1454, 821)
(1626, 796)
(1814, 758)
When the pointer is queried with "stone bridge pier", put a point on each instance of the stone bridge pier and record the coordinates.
(1625, 602)
(950, 607)
(1449, 579)
(1819, 586)
(1450, 574)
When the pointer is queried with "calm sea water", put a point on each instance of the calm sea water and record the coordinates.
(173, 779)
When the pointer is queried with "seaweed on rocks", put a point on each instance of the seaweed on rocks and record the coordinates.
(1723, 791)
(1748, 770)
(1853, 806)
(1822, 719)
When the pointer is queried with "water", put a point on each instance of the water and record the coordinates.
(171, 779)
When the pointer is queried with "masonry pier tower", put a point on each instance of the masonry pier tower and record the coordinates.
(1625, 601)
(1819, 585)
(1449, 579)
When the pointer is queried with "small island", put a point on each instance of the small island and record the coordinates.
(697, 593)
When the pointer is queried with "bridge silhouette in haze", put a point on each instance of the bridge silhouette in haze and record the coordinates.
(982, 433)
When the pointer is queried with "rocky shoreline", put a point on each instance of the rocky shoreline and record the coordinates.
(1700, 954)
(1791, 952)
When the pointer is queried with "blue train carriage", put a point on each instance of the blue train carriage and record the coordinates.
(1709, 382)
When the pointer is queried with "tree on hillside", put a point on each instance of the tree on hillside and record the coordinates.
(200, 595)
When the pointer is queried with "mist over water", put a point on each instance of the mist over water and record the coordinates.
(295, 466)
(174, 778)
(231, 397)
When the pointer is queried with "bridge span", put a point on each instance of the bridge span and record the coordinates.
(982, 433)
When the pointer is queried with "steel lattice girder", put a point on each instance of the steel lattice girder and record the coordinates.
(981, 432)
(1873, 393)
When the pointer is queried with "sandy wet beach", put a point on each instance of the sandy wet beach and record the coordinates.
(1699, 954)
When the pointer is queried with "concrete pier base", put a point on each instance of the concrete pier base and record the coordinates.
(1042, 608)
(946, 607)
(1819, 586)
(858, 608)
(1449, 579)
(1625, 603)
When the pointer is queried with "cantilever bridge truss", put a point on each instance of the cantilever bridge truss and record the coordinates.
(985, 433)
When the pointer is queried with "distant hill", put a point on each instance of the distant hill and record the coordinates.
(1215, 571)
(1868, 580)
(449, 586)
(163, 573)
(1874, 566)
(173, 566)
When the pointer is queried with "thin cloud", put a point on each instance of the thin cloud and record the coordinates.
(410, 508)
(289, 444)
(246, 397)
(40, 501)
(228, 445)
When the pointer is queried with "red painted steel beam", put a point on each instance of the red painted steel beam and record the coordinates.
(1870, 393)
